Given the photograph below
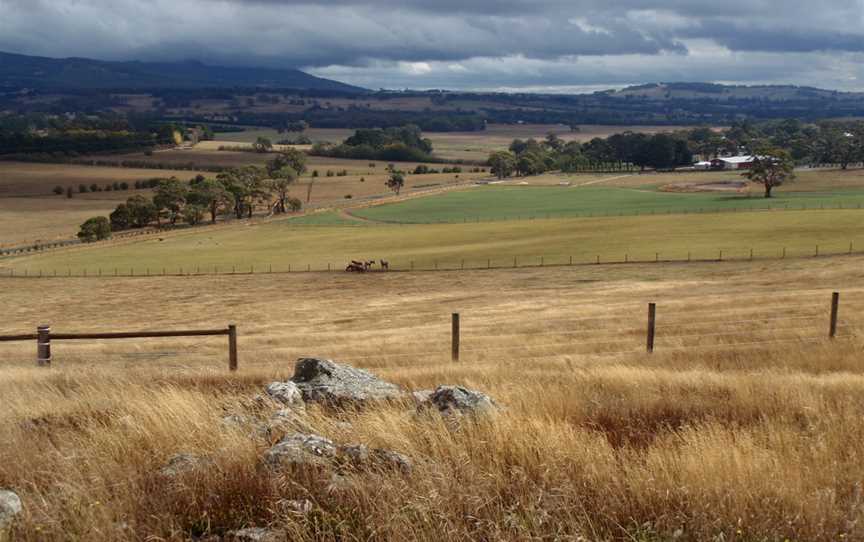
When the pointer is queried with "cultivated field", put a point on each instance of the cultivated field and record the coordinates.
(745, 424)
(281, 243)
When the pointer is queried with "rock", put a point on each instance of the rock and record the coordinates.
(301, 449)
(257, 534)
(361, 457)
(255, 428)
(332, 384)
(288, 420)
(421, 396)
(296, 507)
(182, 463)
(10, 507)
(286, 393)
(459, 401)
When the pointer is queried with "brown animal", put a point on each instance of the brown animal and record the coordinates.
(368, 264)
(385, 265)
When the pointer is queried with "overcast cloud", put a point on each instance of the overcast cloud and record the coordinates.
(556, 45)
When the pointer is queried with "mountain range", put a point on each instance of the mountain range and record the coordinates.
(22, 71)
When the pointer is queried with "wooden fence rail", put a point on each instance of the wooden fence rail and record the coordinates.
(44, 336)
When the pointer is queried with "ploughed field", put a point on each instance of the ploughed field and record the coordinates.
(745, 423)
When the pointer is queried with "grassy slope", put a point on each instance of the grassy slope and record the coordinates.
(280, 244)
(507, 202)
(716, 442)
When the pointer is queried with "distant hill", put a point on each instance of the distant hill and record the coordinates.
(21, 71)
(713, 91)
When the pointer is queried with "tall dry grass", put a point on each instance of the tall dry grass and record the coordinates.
(700, 441)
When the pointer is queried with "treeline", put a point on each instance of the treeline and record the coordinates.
(236, 192)
(827, 142)
(402, 144)
(50, 136)
(356, 118)
(620, 151)
(70, 158)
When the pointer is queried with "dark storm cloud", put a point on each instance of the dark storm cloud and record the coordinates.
(469, 44)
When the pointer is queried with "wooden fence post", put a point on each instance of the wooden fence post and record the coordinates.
(835, 307)
(455, 337)
(43, 346)
(652, 317)
(232, 347)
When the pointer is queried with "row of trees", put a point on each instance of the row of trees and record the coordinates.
(237, 192)
(532, 157)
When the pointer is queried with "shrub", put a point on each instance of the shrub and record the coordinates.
(315, 173)
(69, 192)
(82, 188)
(58, 190)
(95, 229)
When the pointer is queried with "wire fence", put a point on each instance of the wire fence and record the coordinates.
(438, 265)
(722, 326)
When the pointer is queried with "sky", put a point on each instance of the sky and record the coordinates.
(500, 45)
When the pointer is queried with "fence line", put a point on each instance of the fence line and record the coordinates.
(657, 338)
(434, 266)
(44, 336)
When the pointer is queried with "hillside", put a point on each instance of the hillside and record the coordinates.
(713, 91)
(21, 71)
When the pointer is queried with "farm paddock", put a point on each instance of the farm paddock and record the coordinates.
(745, 424)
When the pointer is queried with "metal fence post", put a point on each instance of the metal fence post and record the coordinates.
(43, 346)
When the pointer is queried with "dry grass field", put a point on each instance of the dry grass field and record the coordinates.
(32, 213)
(26, 196)
(745, 424)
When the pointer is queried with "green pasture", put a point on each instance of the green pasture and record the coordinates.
(280, 244)
(521, 202)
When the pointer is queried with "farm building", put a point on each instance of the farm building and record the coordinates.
(733, 162)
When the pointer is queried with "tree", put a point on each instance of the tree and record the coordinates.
(294, 204)
(95, 229)
(120, 218)
(262, 145)
(279, 183)
(841, 144)
(246, 186)
(396, 182)
(58, 190)
(69, 192)
(141, 211)
(772, 167)
(292, 158)
(211, 195)
(193, 214)
(502, 164)
(171, 196)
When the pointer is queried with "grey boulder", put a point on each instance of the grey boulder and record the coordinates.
(301, 449)
(333, 384)
(361, 457)
(286, 393)
(456, 401)
(10, 508)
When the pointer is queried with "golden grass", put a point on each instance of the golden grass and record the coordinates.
(702, 439)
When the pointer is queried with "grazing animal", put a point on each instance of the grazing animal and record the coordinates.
(355, 267)
(368, 264)
(385, 265)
